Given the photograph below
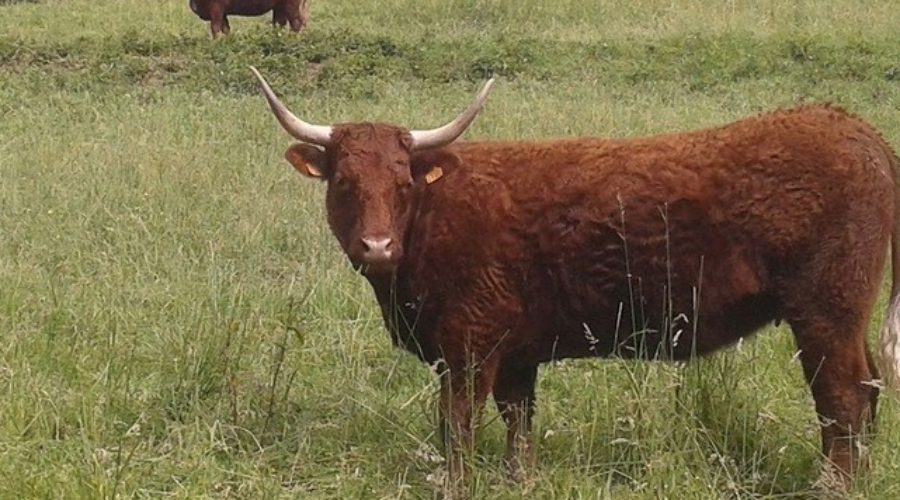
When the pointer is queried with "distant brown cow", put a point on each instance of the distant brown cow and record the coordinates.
(490, 258)
(295, 12)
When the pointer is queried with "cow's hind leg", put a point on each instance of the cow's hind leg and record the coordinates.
(299, 17)
(279, 17)
(835, 365)
(514, 395)
(828, 303)
(876, 375)
(828, 299)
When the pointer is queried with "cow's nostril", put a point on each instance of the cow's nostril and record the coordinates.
(377, 247)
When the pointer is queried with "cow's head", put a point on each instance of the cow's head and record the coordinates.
(374, 173)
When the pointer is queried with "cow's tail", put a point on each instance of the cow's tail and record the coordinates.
(890, 331)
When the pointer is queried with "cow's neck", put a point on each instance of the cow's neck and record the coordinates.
(402, 312)
(382, 284)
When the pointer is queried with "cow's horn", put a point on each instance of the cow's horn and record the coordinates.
(435, 138)
(306, 132)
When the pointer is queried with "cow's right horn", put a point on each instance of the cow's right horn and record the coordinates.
(302, 131)
(435, 138)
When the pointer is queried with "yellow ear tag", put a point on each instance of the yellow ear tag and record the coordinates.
(434, 174)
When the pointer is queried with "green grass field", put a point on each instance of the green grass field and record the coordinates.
(177, 320)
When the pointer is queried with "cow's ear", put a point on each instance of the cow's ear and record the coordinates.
(309, 160)
(431, 166)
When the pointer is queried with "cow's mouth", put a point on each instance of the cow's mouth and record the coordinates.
(375, 266)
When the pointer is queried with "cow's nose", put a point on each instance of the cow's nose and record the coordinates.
(377, 249)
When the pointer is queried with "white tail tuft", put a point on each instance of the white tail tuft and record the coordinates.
(890, 347)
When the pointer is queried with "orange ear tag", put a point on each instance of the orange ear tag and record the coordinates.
(434, 174)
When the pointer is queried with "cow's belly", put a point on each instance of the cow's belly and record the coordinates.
(654, 336)
(668, 287)
(250, 7)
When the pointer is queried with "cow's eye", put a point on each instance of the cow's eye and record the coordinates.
(341, 185)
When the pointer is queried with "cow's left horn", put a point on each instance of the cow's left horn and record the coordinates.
(306, 132)
(435, 138)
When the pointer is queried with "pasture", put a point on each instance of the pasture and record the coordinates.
(177, 320)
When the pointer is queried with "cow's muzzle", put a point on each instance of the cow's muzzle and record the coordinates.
(375, 255)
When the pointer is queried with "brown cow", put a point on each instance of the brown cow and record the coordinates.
(295, 12)
(490, 258)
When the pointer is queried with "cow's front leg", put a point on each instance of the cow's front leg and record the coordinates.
(218, 23)
(514, 395)
(464, 389)
(217, 20)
